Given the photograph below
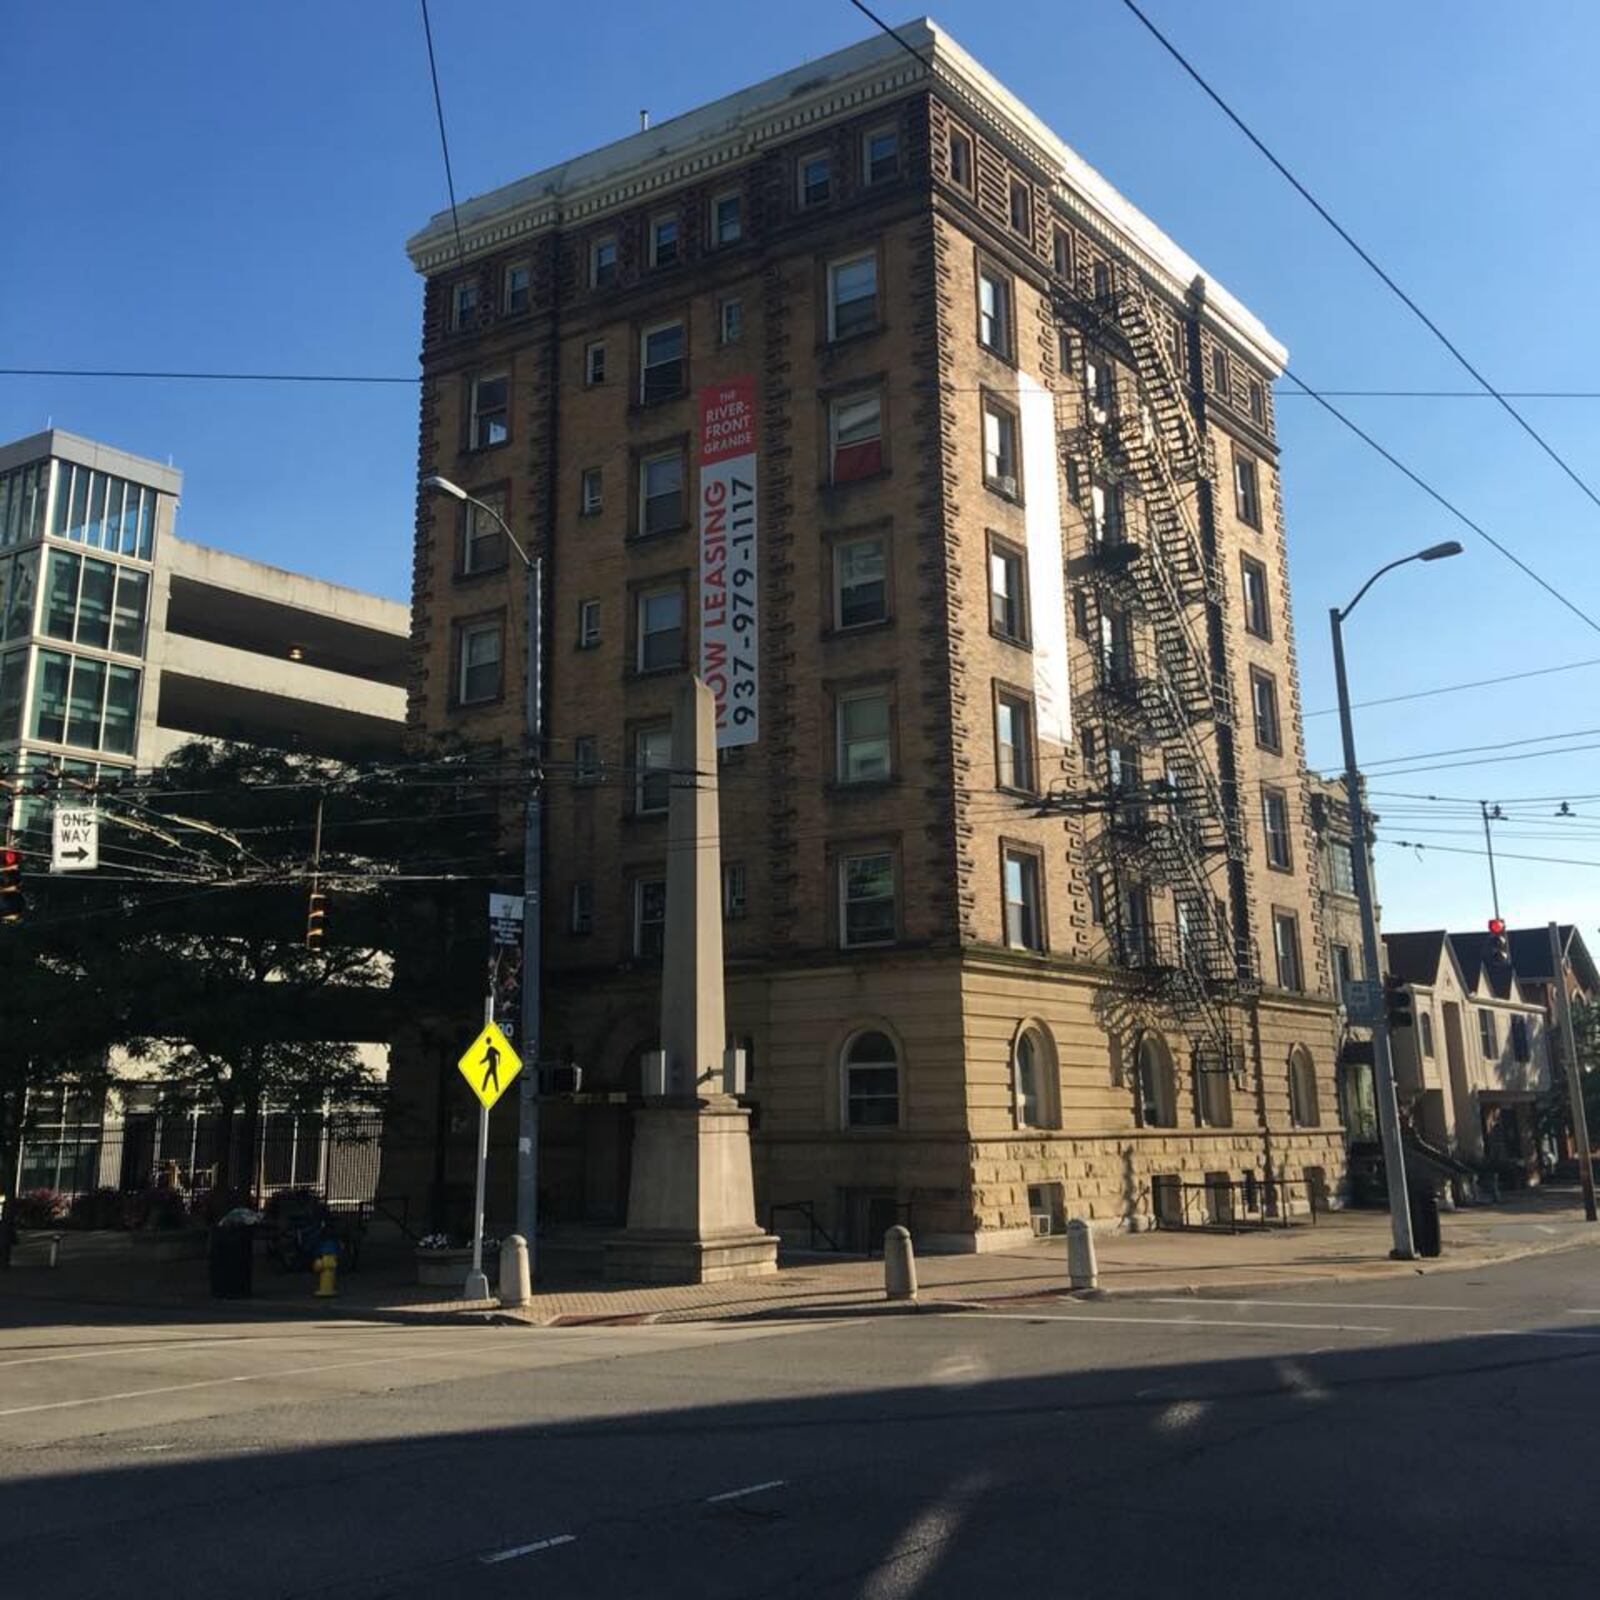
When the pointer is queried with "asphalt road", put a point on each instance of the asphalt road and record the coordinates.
(1424, 1437)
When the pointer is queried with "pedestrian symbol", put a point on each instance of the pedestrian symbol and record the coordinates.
(489, 1065)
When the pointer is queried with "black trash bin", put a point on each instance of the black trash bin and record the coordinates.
(1425, 1219)
(231, 1258)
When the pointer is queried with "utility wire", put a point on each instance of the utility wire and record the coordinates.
(444, 143)
(1456, 688)
(1323, 212)
(910, 49)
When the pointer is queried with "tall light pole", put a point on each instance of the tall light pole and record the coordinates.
(532, 875)
(1382, 1063)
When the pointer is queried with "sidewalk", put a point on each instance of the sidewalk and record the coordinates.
(1346, 1245)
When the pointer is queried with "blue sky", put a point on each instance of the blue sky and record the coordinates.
(208, 186)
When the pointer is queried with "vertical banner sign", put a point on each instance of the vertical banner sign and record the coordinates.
(505, 960)
(729, 617)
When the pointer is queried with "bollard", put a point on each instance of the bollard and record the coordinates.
(515, 1287)
(899, 1265)
(1082, 1273)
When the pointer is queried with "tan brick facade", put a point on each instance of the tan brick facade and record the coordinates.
(946, 990)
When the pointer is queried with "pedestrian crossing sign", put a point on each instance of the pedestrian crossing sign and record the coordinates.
(489, 1065)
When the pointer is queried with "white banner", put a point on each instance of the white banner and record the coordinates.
(730, 625)
(1046, 561)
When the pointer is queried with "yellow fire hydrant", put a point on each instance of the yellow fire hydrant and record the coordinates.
(326, 1267)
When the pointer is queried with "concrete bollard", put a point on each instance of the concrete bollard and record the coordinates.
(1082, 1273)
(899, 1265)
(516, 1289)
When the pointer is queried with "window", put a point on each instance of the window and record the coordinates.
(1520, 1044)
(1008, 592)
(863, 734)
(866, 899)
(1341, 867)
(1027, 1066)
(1257, 615)
(1488, 1035)
(603, 263)
(1343, 972)
(1156, 1084)
(852, 296)
(1264, 703)
(733, 891)
(1219, 373)
(1013, 743)
(652, 782)
(1021, 208)
(491, 416)
(1097, 898)
(994, 312)
(649, 918)
(92, 704)
(588, 624)
(1275, 820)
(1213, 1091)
(661, 507)
(871, 1072)
(880, 155)
(1424, 1032)
(518, 293)
(663, 241)
(101, 604)
(1080, 614)
(594, 362)
(1116, 649)
(855, 437)
(861, 588)
(1061, 252)
(727, 219)
(464, 306)
(478, 674)
(483, 544)
(1303, 1109)
(1099, 384)
(1258, 402)
(1246, 491)
(591, 497)
(586, 759)
(1105, 514)
(661, 362)
(13, 675)
(730, 320)
(1024, 915)
(660, 629)
(816, 179)
(960, 167)
(580, 917)
(1286, 946)
(999, 448)
(1102, 280)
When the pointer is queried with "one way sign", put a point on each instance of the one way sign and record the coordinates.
(75, 839)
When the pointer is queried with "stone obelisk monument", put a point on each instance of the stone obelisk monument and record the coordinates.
(691, 1201)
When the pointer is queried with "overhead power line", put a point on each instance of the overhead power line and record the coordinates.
(1394, 288)
(444, 142)
(1456, 394)
(1456, 688)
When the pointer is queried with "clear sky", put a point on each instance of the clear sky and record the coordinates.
(203, 185)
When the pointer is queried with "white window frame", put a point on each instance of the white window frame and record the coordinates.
(479, 415)
(1488, 1034)
(658, 458)
(506, 290)
(802, 198)
(838, 409)
(1246, 490)
(735, 901)
(588, 624)
(667, 219)
(845, 1068)
(594, 363)
(844, 743)
(1030, 916)
(1281, 859)
(469, 632)
(595, 247)
(494, 534)
(1023, 757)
(1005, 429)
(644, 768)
(717, 202)
(1287, 919)
(840, 549)
(463, 303)
(646, 366)
(639, 886)
(730, 319)
(834, 269)
(845, 941)
(1253, 583)
(1012, 566)
(994, 320)
(641, 604)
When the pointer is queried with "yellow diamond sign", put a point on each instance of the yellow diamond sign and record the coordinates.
(489, 1065)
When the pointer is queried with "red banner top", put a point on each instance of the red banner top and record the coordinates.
(728, 419)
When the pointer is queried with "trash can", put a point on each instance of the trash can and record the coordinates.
(1425, 1219)
(230, 1257)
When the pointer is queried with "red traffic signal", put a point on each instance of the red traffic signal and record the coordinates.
(12, 905)
(1496, 926)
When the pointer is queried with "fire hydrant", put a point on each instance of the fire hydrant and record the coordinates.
(326, 1267)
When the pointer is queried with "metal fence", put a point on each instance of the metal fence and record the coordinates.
(1226, 1204)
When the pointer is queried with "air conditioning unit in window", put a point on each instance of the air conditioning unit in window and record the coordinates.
(1042, 1221)
(1006, 485)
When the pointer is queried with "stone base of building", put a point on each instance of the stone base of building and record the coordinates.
(644, 1257)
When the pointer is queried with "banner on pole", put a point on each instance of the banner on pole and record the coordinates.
(730, 625)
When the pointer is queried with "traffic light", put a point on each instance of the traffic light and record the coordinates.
(1499, 944)
(12, 905)
(316, 915)
(1397, 1003)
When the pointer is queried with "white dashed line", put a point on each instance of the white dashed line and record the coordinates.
(739, 1494)
(528, 1549)
(1181, 1322)
(1298, 1305)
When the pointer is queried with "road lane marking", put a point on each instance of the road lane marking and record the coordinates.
(1178, 1322)
(528, 1549)
(739, 1494)
(1303, 1305)
(1583, 1311)
(181, 1345)
(1182, 1414)
(242, 1377)
(1539, 1333)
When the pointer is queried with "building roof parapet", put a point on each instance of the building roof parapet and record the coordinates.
(738, 126)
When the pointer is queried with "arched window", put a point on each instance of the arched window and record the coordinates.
(1303, 1112)
(1157, 1088)
(1034, 1078)
(870, 1067)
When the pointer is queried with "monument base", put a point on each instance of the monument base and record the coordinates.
(691, 1203)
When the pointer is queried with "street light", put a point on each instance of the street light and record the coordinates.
(532, 874)
(1382, 1062)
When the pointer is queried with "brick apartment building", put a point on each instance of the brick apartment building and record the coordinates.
(1020, 891)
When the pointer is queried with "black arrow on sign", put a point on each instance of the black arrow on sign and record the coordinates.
(80, 854)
